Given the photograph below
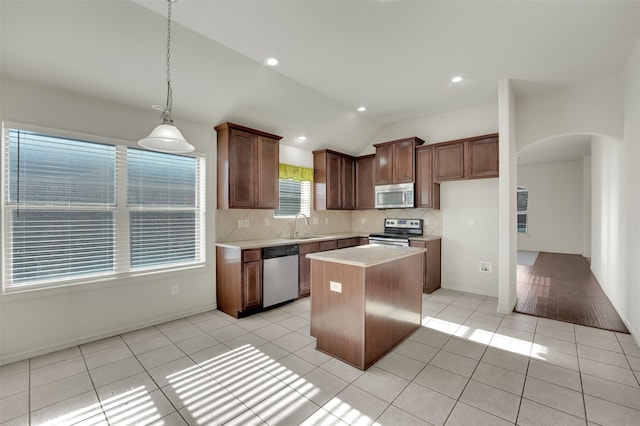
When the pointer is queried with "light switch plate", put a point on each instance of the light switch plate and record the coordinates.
(246, 223)
(335, 286)
(315, 220)
(240, 223)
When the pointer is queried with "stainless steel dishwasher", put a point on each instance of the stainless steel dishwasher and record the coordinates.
(279, 274)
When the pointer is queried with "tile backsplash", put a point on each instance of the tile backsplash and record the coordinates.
(248, 224)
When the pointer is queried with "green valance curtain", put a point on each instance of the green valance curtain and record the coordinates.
(289, 171)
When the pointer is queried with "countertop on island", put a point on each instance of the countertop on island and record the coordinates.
(366, 256)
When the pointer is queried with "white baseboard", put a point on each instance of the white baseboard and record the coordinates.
(634, 333)
(468, 290)
(7, 359)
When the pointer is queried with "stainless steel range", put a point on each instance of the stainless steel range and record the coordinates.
(397, 232)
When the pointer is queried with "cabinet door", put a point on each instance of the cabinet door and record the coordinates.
(403, 163)
(251, 285)
(449, 162)
(348, 199)
(268, 181)
(384, 165)
(304, 267)
(422, 244)
(426, 196)
(483, 158)
(243, 170)
(365, 176)
(334, 181)
(433, 266)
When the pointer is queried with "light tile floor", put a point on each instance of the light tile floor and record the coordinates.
(466, 365)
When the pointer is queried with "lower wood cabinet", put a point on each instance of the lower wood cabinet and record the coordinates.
(238, 280)
(432, 266)
(304, 267)
(348, 242)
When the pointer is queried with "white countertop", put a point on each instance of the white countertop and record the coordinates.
(285, 241)
(366, 256)
(249, 244)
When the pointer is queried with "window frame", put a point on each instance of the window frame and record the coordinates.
(525, 213)
(121, 212)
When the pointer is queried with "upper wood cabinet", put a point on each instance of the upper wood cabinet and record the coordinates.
(483, 157)
(334, 180)
(395, 161)
(247, 168)
(427, 191)
(365, 182)
(470, 158)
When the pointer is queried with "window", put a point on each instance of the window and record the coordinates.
(295, 191)
(78, 210)
(523, 205)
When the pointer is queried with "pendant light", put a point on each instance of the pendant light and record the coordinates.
(166, 137)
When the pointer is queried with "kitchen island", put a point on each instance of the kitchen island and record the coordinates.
(365, 300)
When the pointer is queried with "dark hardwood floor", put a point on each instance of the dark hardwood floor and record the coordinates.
(562, 287)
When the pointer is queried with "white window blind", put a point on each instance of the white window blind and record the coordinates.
(295, 197)
(76, 210)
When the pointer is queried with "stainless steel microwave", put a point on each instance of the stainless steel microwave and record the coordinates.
(400, 195)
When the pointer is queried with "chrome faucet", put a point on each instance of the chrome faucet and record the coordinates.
(296, 231)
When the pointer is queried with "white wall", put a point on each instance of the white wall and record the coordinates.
(556, 207)
(593, 107)
(586, 206)
(615, 230)
(39, 322)
(469, 235)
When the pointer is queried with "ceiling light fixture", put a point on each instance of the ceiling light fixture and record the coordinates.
(301, 138)
(362, 109)
(457, 79)
(272, 62)
(166, 137)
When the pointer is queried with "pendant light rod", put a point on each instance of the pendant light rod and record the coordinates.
(166, 137)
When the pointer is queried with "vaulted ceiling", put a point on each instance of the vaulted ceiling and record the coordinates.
(394, 57)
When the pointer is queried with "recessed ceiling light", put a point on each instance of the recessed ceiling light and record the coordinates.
(301, 138)
(457, 79)
(362, 109)
(272, 62)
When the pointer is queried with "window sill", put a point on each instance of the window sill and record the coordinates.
(132, 278)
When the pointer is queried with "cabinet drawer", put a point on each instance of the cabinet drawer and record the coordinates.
(308, 248)
(328, 245)
(251, 255)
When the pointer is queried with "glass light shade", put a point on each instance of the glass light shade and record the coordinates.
(166, 138)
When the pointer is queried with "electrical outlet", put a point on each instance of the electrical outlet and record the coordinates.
(267, 222)
(326, 220)
(335, 286)
(175, 290)
(362, 220)
(471, 223)
(240, 223)
(425, 221)
(315, 220)
(485, 266)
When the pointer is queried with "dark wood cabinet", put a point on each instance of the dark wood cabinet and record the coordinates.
(395, 161)
(348, 242)
(432, 264)
(334, 181)
(483, 157)
(252, 284)
(448, 162)
(365, 182)
(328, 245)
(427, 190)
(471, 158)
(304, 267)
(238, 280)
(247, 168)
